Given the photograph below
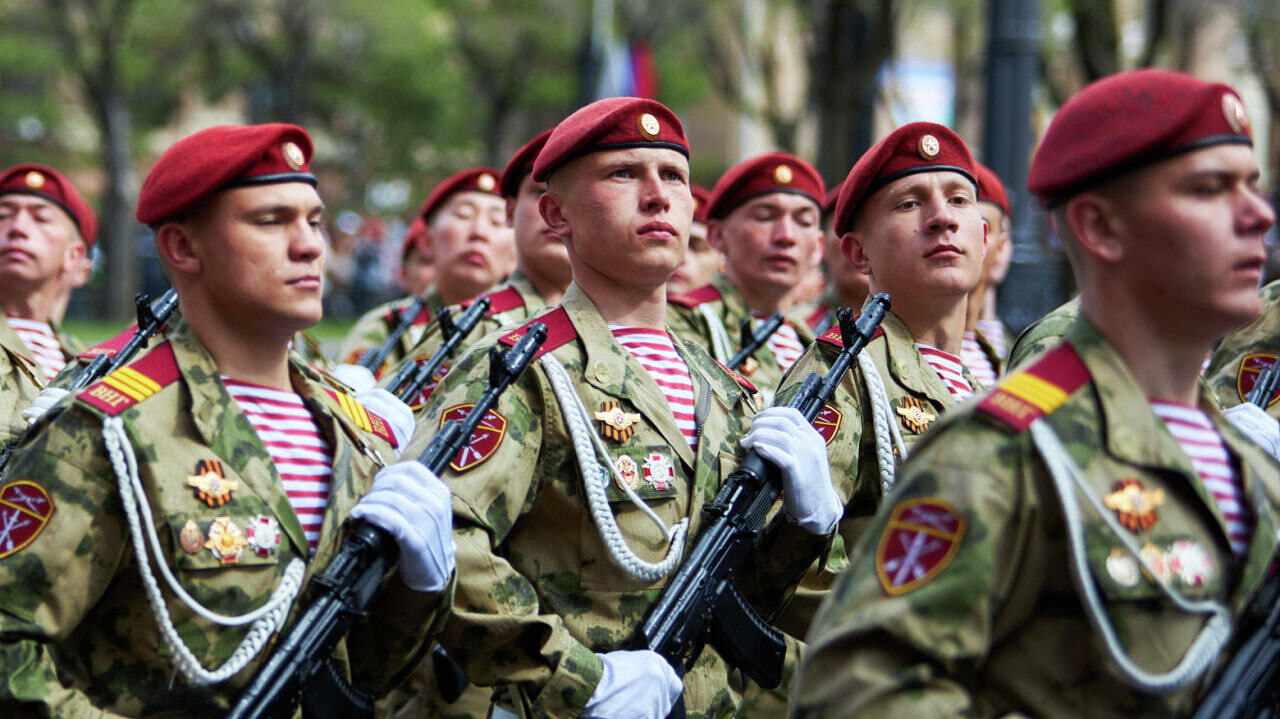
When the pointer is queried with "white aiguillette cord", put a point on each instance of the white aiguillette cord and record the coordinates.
(886, 431)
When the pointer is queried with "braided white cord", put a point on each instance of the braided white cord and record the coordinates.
(586, 444)
(721, 344)
(266, 619)
(1212, 637)
(887, 434)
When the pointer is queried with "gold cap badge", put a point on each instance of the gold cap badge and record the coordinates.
(34, 180)
(293, 156)
(649, 127)
(929, 147)
(782, 175)
(486, 182)
(1233, 111)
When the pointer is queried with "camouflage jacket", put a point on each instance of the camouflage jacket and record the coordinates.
(1247, 351)
(960, 599)
(77, 634)
(1044, 334)
(538, 592)
(21, 379)
(373, 328)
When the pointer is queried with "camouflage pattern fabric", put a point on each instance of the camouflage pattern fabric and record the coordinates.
(77, 636)
(1044, 334)
(372, 328)
(21, 380)
(984, 619)
(1245, 352)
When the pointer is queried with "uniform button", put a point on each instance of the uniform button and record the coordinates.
(602, 372)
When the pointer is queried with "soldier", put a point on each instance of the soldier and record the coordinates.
(467, 232)
(702, 261)
(1044, 334)
(417, 261)
(616, 428)
(983, 356)
(1237, 363)
(847, 286)
(764, 215)
(1078, 542)
(215, 457)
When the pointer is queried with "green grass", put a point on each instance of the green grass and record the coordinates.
(91, 332)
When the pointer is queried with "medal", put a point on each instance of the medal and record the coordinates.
(628, 472)
(914, 416)
(210, 484)
(225, 540)
(263, 534)
(190, 537)
(658, 471)
(614, 423)
(1134, 506)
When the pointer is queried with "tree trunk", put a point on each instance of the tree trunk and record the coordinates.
(119, 230)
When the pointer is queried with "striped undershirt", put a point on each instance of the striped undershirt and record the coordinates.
(39, 338)
(976, 361)
(993, 331)
(1203, 445)
(656, 353)
(950, 369)
(297, 447)
(784, 343)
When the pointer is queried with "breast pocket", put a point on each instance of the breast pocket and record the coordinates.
(1181, 562)
(224, 541)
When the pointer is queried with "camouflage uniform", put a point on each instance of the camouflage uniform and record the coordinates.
(1044, 334)
(373, 327)
(21, 379)
(986, 620)
(77, 629)
(1246, 351)
(538, 592)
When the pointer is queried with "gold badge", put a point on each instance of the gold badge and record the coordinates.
(914, 416)
(929, 147)
(226, 540)
(34, 180)
(1134, 506)
(293, 156)
(210, 483)
(1233, 111)
(190, 537)
(782, 175)
(486, 182)
(628, 472)
(614, 423)
(649, 127)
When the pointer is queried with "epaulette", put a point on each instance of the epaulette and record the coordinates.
(833, 338)
(134, 382)
(502, 300)
(392, 317)
(111, 347)
(365, 420)
(693, 298)
(1031, 393)
(737, 377)
(560, 331)
(819, 313)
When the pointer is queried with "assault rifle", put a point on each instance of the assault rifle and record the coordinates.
(412, 377)
(754, 340)
(299, 669)
(373, 360)
(701, 604)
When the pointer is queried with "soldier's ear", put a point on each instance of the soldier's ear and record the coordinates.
(552, 211)
(1096, 225)
(176, 245)
(715, 236)
(852, 248)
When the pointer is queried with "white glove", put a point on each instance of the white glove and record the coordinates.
(411, 504)
(355, 376)
(48, 397)
(1254, 423)
(637, 684)
(397, 413)
(781, 436)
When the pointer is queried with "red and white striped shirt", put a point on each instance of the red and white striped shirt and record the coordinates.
(993, 331)
(976, 361)
(39, 338)
(297, 447)
(784, 343)
(656, 353)
(950, 369)
(1203, 445)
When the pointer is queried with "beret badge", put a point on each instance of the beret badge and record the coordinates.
(486, 182)
(783, 175)
(293, 156)
(1233, 111)
(929, 147)
(34, 180)
(649, 127)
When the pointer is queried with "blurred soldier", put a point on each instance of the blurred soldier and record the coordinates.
(702, 261)
(1077, 543)
(466, 230)
(847, 286)
(999, 255)
(1044, 334)
(764, 215)
(244, 466)
(417, 261)
(1239, 360)
(982, 355)
(546, 606)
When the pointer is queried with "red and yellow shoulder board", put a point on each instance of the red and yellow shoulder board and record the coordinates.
(737, 377)
(502, 300)
(392, 317)
(1029, 394)
(111, 347)
(365, 420)
(693, 298)
(134, 382)
(833, 338)
(560, 331)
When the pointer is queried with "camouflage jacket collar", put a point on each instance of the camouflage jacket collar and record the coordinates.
(533, 299)
(21, 354)
(909, 368)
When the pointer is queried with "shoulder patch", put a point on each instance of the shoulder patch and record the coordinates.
(920, 540)
(484, 441)
(560, 331)
(832, 336)
(365, 420)
(502, 300)
(1026, 395)
(134, 382)
(1250, 367)
(111, 347)
(746, 383)
(25, 509)
(693, 298)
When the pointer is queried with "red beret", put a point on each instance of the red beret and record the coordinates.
(521, 164)
(416, 233)
(616, 123)
(912, 148)
(220, 158)
(472, 179)
(701, 200)
(29, 178)
(774, 172)
(1129, 120)
(991, 189)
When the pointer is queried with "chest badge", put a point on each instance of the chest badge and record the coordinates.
(263, 535)
(1134, 506)
(225, 540)
(616, 424)
(628, 472)
(190, 537)
(914, 415)
(658, 471)
(210, 483)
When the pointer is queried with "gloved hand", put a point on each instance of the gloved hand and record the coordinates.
(1256, 424)
(638, 684)
(397, 413)
(782, 436)
(355, 376)
(411, 504)
(48, 397)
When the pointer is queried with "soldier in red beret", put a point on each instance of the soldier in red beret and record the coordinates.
(702, 261)
(161, 523)
(417, 261)
(985, 339)
(765, 216)
(577, 500)
(1080, 541)
(847, 286)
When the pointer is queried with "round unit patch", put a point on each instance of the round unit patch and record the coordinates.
(920, 540)
(25, 509)
(484, 441)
